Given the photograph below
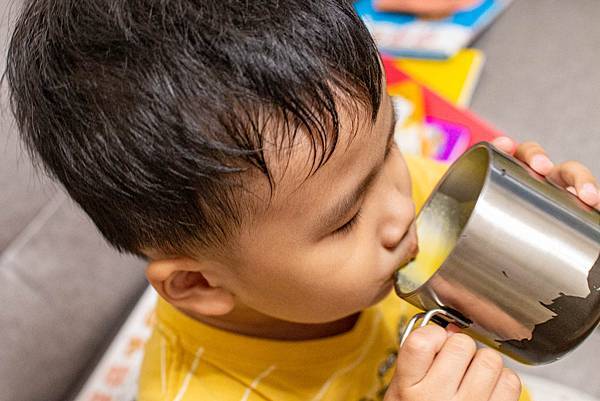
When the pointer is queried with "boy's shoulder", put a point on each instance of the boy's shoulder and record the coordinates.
(187, 360)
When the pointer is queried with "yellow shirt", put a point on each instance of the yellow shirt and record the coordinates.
(186, 360)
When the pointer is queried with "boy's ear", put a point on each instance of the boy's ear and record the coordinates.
(186, 284)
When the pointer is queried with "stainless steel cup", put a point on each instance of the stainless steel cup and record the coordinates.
(519, 259)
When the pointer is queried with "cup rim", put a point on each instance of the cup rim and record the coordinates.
(489, 149)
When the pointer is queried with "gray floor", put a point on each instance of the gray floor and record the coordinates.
(541, 82)
(542, 77)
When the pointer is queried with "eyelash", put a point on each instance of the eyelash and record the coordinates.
(349, 225)
(346, 228)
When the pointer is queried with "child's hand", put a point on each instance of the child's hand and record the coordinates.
(571, 175)
(425, 7)
(435, 366)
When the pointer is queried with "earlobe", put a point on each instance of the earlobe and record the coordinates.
(183, 283)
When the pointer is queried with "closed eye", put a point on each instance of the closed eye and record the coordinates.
(349, 225)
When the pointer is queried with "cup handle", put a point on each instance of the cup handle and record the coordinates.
(447, 317)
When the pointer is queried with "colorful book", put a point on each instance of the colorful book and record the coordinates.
(453, 139)
(429, 125)
(453, 79)
(406, 35)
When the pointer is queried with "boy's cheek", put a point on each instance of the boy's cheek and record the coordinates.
(310, 292)
(399, 172)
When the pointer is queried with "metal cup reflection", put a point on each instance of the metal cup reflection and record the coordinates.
(510, 256)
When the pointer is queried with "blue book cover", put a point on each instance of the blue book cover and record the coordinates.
(406, 35)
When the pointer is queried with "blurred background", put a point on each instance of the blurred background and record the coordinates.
(64, 293)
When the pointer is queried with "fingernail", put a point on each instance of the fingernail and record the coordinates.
(541, 163)
(504, 141)
(588, 193)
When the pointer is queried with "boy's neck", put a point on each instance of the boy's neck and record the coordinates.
(255, 324)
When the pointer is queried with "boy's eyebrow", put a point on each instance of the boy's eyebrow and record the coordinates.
(341, 209)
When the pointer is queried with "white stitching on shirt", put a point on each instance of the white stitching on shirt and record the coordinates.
(189, 375)
(255, 382)
(163, 365)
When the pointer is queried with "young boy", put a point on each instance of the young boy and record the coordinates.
(245, 149)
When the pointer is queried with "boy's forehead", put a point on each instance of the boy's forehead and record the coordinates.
(298, 186)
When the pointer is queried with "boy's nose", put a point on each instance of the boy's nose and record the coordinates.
(396, 223)
(397, 229)
(392, 235)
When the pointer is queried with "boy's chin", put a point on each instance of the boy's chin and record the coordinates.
(385, 291)
(378, 294)
(373, 298)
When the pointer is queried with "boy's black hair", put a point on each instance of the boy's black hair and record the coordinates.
(147, 111)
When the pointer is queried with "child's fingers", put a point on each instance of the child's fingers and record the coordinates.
(535, 156)
(417, 354)
(452, 362)
(505, 144)
(577, 179)
(452, 329)
(508, 387)
(573, 176)
(480, 380)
